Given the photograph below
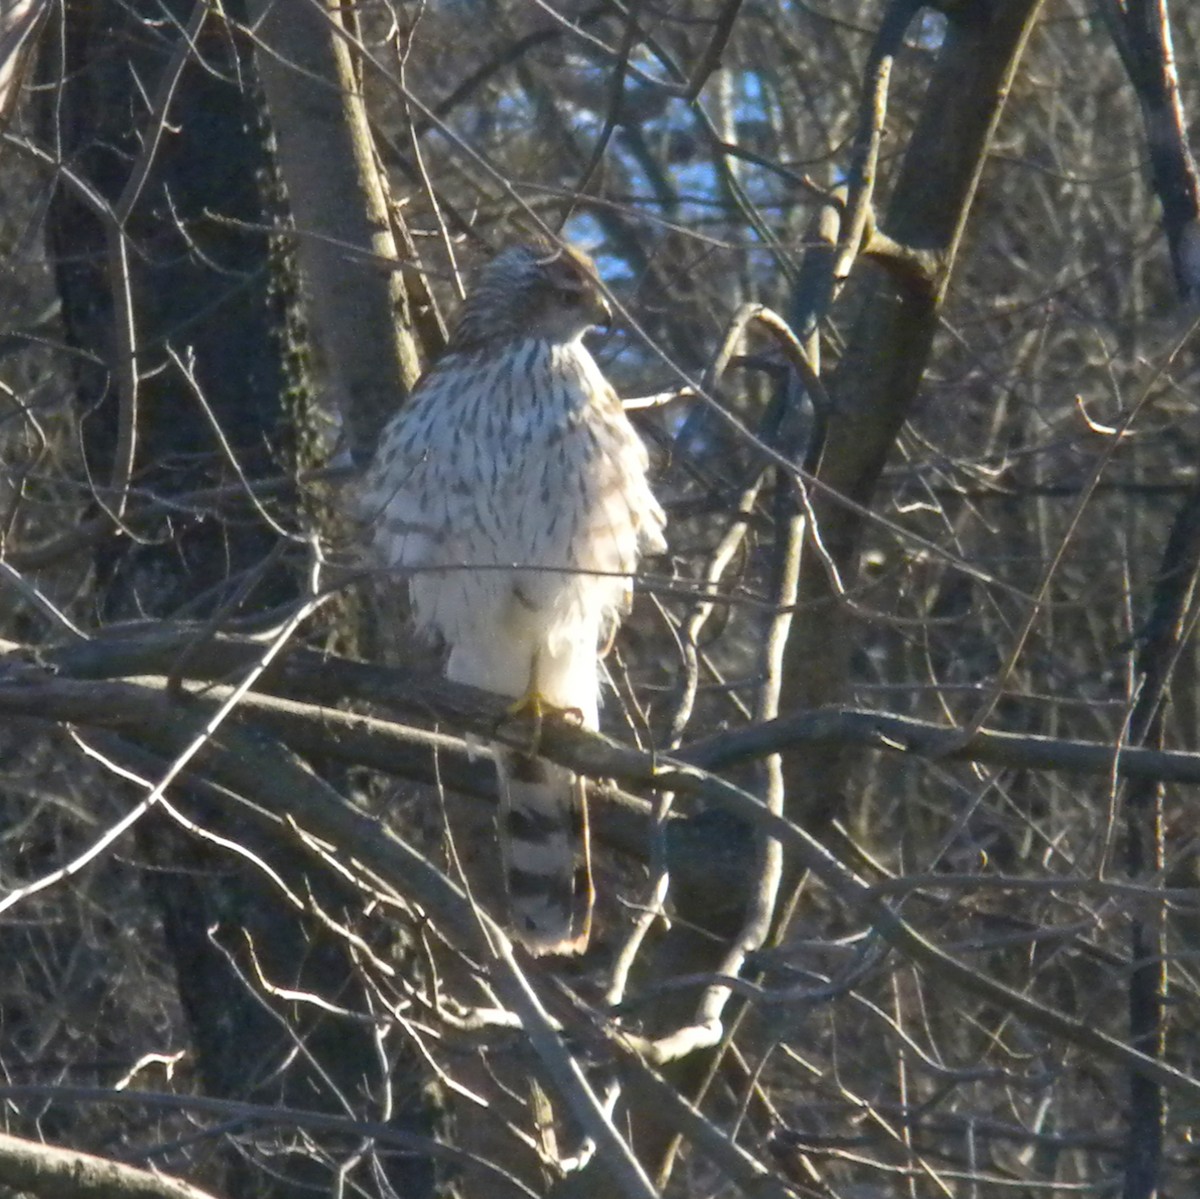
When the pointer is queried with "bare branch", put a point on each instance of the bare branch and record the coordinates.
(223, 1110)
(1141, 31)
(53, 1173)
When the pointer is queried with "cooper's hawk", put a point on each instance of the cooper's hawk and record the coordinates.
(512, 489)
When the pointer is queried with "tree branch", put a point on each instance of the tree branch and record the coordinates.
(305, 681)
(253, 765)
(225, 1111)
(54, 1173)
(1141, 31)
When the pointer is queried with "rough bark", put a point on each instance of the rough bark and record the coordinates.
(199, 339)
(345, 227)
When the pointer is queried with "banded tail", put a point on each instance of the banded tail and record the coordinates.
(547, 861)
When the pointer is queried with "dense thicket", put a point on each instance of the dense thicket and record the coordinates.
(898, 872)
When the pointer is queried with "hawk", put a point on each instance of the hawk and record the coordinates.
(512, 490)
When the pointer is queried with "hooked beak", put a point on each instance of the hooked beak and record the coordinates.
(602, 313)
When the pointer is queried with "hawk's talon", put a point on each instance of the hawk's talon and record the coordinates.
(534, 706)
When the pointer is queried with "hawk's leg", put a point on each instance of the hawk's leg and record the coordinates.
(534, 706)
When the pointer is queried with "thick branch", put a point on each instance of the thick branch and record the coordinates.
(307, 681)
(223, 1111)
(54, 1173)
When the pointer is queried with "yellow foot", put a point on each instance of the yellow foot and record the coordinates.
(536, 708)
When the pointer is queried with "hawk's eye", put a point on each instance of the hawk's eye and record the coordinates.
(571, 297)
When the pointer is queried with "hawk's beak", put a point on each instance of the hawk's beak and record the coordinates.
(602, 312)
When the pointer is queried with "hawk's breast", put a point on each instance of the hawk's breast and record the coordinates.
(513, 474)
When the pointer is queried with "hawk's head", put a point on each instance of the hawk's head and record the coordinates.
(532, 290)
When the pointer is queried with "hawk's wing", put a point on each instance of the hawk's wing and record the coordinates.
(416, 493)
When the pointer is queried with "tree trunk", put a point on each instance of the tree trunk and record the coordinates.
(204, 336)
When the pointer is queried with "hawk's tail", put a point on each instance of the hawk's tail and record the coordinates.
(547, 865)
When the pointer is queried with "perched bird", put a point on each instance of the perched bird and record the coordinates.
(512, 490)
